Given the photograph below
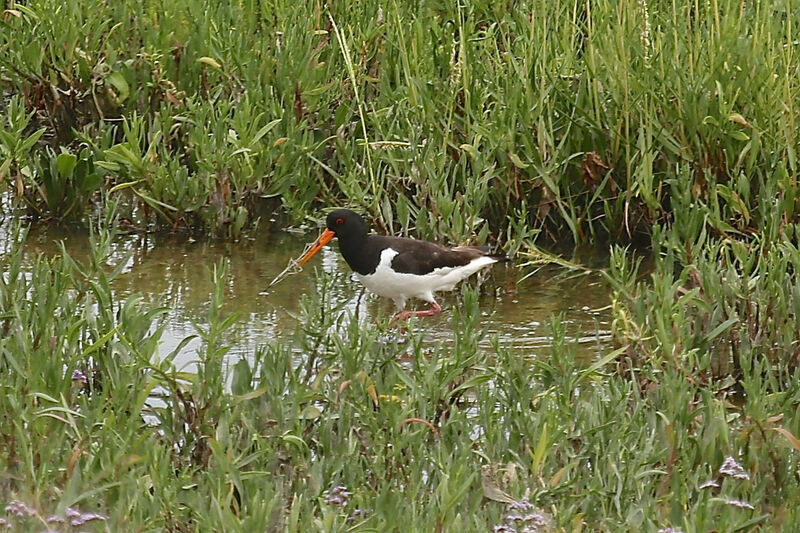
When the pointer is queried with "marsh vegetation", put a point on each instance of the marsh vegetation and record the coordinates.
(659, 129)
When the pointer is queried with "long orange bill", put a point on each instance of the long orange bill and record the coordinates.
(326, 237)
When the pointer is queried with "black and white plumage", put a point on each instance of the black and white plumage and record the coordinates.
(400, 268)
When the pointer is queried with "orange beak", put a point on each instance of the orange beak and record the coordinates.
(326, 237)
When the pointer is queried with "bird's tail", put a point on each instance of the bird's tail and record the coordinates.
(489, 251)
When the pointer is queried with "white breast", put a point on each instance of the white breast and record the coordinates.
(401, 286)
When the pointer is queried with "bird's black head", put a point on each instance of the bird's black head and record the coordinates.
(346, 224)
(351, 230)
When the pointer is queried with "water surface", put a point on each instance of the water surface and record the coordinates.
(176, 273)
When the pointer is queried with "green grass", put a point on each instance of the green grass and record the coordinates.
(448, 119)
(573, 121)
(444, 441)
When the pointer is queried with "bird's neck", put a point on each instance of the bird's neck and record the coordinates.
(359, 255)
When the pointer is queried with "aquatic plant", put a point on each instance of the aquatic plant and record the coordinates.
(338, 429)
(552, 120)
(444, 119)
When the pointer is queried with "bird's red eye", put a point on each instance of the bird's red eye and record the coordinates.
(339, 221)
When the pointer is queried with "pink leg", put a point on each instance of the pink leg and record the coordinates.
(434, 310)
(403, 315)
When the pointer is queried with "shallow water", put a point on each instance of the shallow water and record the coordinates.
(176, 273)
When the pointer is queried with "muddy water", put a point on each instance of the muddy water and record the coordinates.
(177, 274)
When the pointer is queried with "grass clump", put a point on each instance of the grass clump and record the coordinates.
(450, 119)
(582, 121)
(339, 430)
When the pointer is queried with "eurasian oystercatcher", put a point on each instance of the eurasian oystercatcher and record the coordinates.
(397, 267)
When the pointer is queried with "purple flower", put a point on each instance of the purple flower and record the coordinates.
(738, 503)
(55, 519)
(522, 517)
(521, 505)
(711, 483)
(79, 376)
(338, 495)
(536, 519)
(358, 513)
(72, 513)
(89, 517)
(733, 469)
(19, 509)
(82, 518)
(12, 510)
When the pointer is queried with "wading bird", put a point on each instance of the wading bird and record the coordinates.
(397, 267)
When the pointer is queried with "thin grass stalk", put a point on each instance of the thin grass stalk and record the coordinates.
(354, 83)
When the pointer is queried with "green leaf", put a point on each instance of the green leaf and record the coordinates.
(740, 136)
(739, 119)
(472, 151)
(294, 439)
(153, 202)
(539, 452)
(32, 55)
(100, 342)
(210, 62)
(311, 412)
(120, 186)
(28, 143)
(721, 328)
(600, 363)
(341, 115)
(111, 166)
(474, 381)
(122, 153)
(117, 80)
(65, 163)
(181, 345)
(4, 168)
(90, 182)
(517, 161)
(251, 395)
(266, 129)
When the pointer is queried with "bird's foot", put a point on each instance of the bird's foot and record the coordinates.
(404, 315)
(401, 316)
(434, 310)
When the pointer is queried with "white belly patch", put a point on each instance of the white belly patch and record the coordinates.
(400, 286)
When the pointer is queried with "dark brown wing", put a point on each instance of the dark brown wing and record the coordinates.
(421, 257)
